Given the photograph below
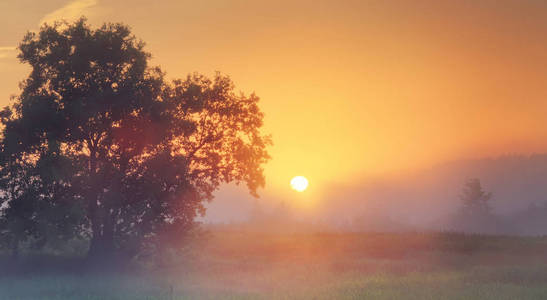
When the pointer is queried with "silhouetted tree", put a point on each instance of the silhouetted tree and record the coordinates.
(475, 201)
(475, 213)
(99, 138)
(20, 198)
(29, 214)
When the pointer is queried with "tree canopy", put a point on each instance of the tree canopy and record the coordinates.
(475, 201)
(100, 145)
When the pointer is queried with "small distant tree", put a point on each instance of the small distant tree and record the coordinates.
(475, 201)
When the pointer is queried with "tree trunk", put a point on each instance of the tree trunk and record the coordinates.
(15, 248)
(102, 246)
(102, 250)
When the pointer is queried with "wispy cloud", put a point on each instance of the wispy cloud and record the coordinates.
(70, 11)
(7, 51)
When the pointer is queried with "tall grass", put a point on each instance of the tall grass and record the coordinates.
(245, 265)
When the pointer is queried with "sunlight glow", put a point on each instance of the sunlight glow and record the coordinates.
(299, 183)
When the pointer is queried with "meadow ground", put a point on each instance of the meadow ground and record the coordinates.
(245, 265)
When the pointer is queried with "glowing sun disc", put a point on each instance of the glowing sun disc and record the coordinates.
(299, 183)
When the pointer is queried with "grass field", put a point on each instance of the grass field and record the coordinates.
(246, 265)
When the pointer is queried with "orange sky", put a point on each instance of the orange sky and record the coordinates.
(349, 88)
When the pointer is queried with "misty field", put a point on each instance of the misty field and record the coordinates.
(244, 265)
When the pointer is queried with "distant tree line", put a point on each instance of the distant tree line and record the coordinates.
(474, 215)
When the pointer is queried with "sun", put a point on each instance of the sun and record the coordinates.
(299, 183)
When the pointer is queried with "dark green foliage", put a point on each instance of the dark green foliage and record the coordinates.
(98, 144)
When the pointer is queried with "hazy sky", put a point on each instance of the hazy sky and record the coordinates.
(349, 88)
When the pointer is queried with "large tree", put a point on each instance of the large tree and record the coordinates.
(96, 130)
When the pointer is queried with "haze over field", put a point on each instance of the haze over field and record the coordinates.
(399, 149)
(354, 92)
